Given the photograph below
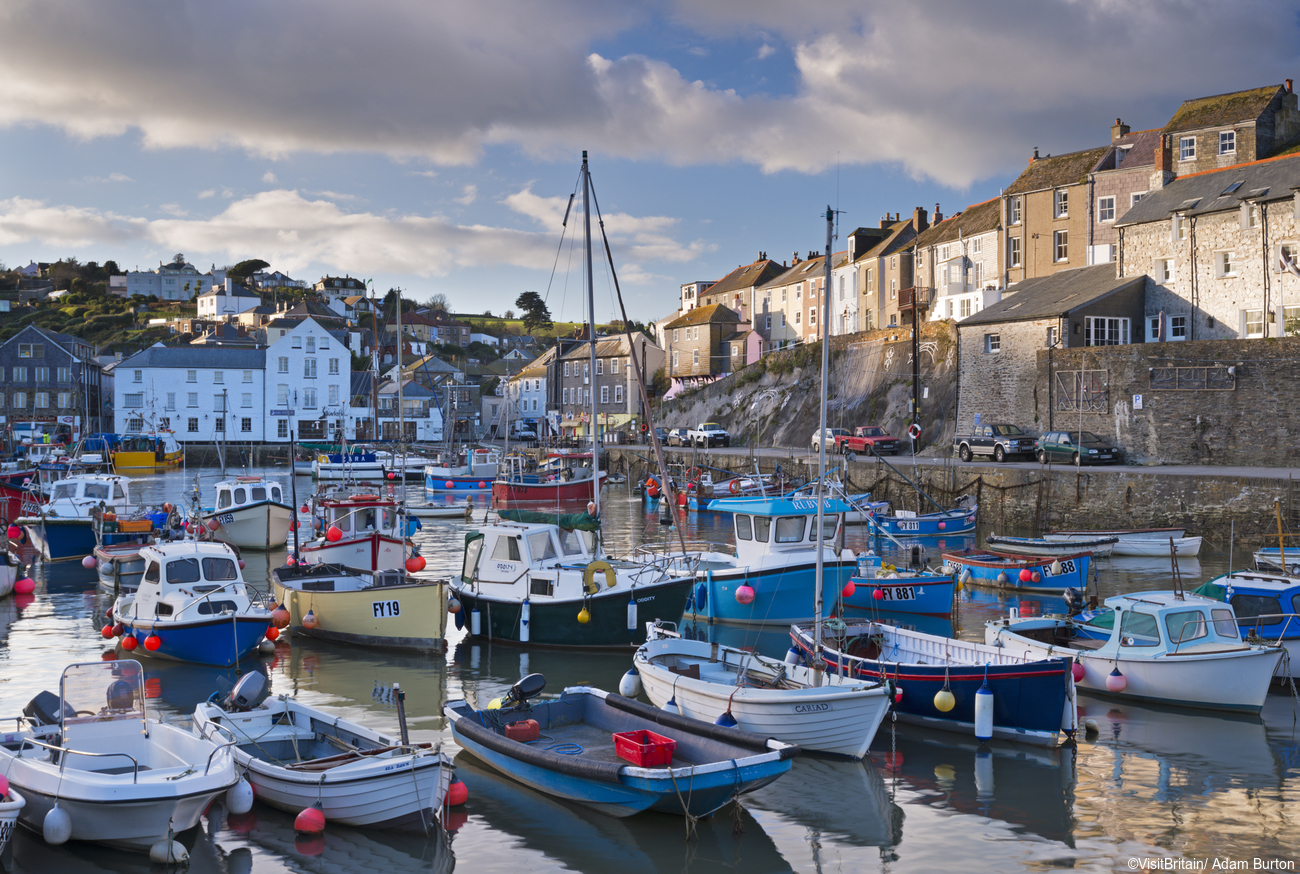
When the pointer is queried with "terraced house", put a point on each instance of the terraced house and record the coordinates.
(50, 383)
(697, 346)
(957, 267)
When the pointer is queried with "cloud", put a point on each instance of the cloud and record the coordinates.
(174, 209)
(950, 90)
(111, 177)
(468, 196)
(766, 51)
(205, 194)
(268, 177)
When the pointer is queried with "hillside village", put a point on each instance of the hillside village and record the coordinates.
(1184, 233)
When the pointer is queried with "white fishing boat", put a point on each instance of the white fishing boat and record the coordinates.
(351, 466)
(94, 767)
(1099, 546)
(251, 513)
(298, 756)
(1165, 646)
(1183, 547)
(362, 531)
(1138, 542)
(820, 711)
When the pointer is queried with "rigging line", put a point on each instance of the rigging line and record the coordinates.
(559, 247)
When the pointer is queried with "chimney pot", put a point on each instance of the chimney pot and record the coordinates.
(1288, 86)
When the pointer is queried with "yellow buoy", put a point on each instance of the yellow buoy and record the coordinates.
(583, 616)
(944, 700)
(494, 704)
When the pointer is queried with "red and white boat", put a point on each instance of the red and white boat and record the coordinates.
(563, 479)
(361, 531)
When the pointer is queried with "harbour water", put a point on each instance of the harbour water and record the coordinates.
(1152, 784)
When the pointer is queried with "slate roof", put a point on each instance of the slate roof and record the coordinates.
(608, 347)
(1141, 152)
(1053, 296)
(1201, 193)
(315, 310)
(239, 291)
(703, 315)
(1057, 171)
(748, 276)
(199, 357)
(1223, 109)
(978, 219)
(809, 269)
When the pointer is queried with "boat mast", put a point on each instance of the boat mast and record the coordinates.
(591, 333)
(374, 360)
(818, 664)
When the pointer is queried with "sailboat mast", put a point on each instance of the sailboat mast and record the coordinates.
(374, 361)
(591, 332)
(401, 373)
(821, 454)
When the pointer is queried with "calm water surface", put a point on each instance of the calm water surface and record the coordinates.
(1152, 783)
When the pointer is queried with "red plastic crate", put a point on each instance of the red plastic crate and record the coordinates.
(644, 748)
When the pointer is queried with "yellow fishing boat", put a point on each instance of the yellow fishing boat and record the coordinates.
(384, 609)
(152, 451)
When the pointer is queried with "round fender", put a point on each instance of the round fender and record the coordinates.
(735, 486)
(589, 576)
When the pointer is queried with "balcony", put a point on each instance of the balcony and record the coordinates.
(910, 298)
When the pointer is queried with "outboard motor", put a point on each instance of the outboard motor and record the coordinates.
(528, 687)
(1073, 600)
(246, 693)
(44, 709)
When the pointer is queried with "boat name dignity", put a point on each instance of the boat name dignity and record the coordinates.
(811, 708)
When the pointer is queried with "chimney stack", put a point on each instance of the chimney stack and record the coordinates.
(794, 259)
(1035, 157)
(938, 216)
(1288, 86)
(920, 219)
(1119, 129)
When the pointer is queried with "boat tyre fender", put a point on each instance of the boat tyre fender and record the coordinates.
(735, 486)
(589, 583)
(580, 766)
(735, 736)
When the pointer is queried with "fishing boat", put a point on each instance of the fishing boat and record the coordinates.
(382, 609)
(1100, 546)
(1273, 558)
(362, 530)
(349, 466)
(11, 569)
(906, 523)
(476, 470)
(990, 692)
(192, 606)
(16, 490)
(877, 586)
(94, 766)
(63, 527)
(562, 480)
(630, 757)
(545, 580)
(155, 450)
(250, 513)
(1165, 646)
(817, 710)
(443, 511)
(297, 756)
(1004, 570)
(1267, 607)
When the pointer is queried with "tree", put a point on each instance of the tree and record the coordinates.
(245, 269)
(510, 314)
(439, 303)
(111, 268)
(536, 315)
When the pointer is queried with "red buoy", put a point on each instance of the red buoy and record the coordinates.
(449, 484)
(878, 594)
(272, 633)
(25, 586)
(849, 588)
(1078, 671)
(745, 594)
(415, 564)
(310, 822)
(1026, 575)
(392, 475)
(129, 642)
(334, 534)
(280, 617)
(152, 642)
(106, 632)
(457, 794)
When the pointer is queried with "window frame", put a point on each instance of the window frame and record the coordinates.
(1187, 148)
(1106, 209)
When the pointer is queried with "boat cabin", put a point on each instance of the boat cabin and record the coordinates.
(76, 495)
(502, 553)
(1148, 624)
(781, 525)
(247, 490)
(175, 574)
(1267, 605)
(361, 515)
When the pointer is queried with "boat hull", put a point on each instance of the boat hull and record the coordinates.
(376, 552)
(1033, 546)
(146, 460)
(558, 493)
(264, 525)
(410, 616)
(945, 524)
(60, 539)
(447, 484)
(1004, 571)
(926, 595)
(205, 642)
(555, 624)
(782, 595)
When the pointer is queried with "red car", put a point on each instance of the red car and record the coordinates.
(868, 438)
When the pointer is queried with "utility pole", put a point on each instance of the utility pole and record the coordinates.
(916, 351)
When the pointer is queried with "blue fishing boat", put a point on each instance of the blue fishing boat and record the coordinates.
(769, 578)
(1267, 607)
(614, 754)
(64, 526)
(1030, 700)
(885, 587)
(191, 606)
(905, 523)
(1003, 570)
(474, 473)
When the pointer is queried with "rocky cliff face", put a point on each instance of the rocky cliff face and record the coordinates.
(776, 402)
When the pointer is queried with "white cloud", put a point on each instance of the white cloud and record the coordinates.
(111, 177)
(268, 177)
(951, 90)
(174, 209)
(766, 51)
(468, 195)
(206, 193)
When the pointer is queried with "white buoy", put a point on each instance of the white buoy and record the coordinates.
(525, 617)
(475, 623)
(167, 852)
(631, 613)
(266, 645)
(984, 775)
(57, 827)
(630, 685)
(792, 656)
(984, 713)
(239, 798)
(1091, 728)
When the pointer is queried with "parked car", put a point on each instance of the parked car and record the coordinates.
(868, 439)
(661, 433)
(708, 434)
(832, 436)
(1077, 447)
(1001, 441)
(677, 437)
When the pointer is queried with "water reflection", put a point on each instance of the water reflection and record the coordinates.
(836, 800)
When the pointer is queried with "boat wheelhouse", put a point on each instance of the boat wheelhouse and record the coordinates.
(63, 527)
(151, 451)
(362, 531)
(474, 472)
(251, 513)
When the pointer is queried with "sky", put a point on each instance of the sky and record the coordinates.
(433, 146)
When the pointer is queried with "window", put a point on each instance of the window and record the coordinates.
(309, 368)
(963, 307)
(1286, 254)
(1165, 269)
(1227, 142)
(282, 364)
(218, 377)
(65, 400)
(675, 363)
(871, 281)
(192, 399)
(282, 429)
(893, 320)
(604, 394)
(1053, 335)
(1106, 209)
(248, 376)
(42, 400)
(297, 342)
(812, 316)
(1178, 327)
(282, 395)
(191, 376)
(618, 394)
(1187, 148)
(613, 365)
(1013, 211)
(20, 399)
(1013, 252)
(1103, 331)
(566, 364)
(841, 288)
(246, 400)
(311, 345)
(134, 402)
(893, 288)
(1224, 266)
(246, 425)
(334, 396)
(20, 374)
(192, 426)
(744, 527)
(1135, 197)
(334, 367)
(977, 246)
(42, 375)
(1249, 216)
(1254, 323)
(1179, 227)
(790, 529)
(309, 398)
(695, 356)
(136, 375)
(1061, 203)
(992, 343)
(1061, 245)
(1139, 629)
(893, 262)
(566, 391)
(31, 350)
(135, 424)
(219, 403)
(219, 424)
(697, 332)
(798, 316)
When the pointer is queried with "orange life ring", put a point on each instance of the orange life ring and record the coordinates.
(365, 497)
(735, 487)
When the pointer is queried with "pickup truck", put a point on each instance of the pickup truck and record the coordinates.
(865, 438)
(708, 434)
(998, 440)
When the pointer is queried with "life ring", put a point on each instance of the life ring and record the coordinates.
(324, 459)
(734, 487)
(914, 431)
(365, 497)
(589, 576)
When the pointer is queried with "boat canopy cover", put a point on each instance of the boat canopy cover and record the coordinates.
(568, 521)
(798, 506)
(1212, 589)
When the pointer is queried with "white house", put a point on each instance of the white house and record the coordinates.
(227, 299)
(308, 380)
(204, 394)
(178, 280)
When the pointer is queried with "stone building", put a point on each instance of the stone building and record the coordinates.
(736, 290)
(1210, 133)
(613, 387)
(1121, 178)
(998, 348)
(846, 281)
(50, 383)
(694, 346)
(1210, 245)
(957, 266)
(1046, 216)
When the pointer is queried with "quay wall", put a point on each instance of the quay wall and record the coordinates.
(1039, 499)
